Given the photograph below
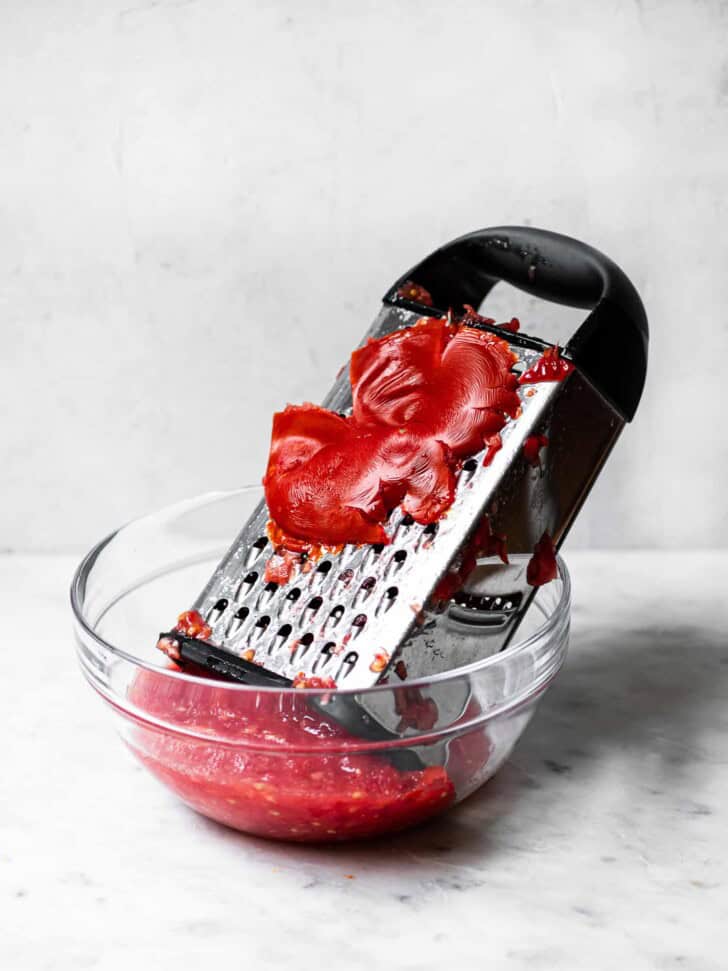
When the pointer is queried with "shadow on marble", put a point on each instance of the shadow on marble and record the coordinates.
(659, 691)
(642, 692)
(459, 835)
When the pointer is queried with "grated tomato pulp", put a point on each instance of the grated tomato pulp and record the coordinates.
(285, 788)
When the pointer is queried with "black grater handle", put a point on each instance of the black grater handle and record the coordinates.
(610, 347)
(342, 708)
(224, 664)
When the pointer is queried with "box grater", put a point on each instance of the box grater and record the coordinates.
(354, 613)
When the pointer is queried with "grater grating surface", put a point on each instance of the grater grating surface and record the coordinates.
(346, 616)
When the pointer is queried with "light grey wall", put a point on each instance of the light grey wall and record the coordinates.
(202, 201)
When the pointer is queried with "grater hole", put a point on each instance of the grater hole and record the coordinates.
(470, 465)
(280, 639)
(335, 616)
(236, 621)
(347, 666)
(321, 572)
(364, 591)
(313, 606)
(256, 549)
(371, 554)
(217, 611)
(301, 646)
(324, 657)
(357, 624)
(397, 561)
(345, 577)
(427, 536)
(388, 599)
(267, 593)
(403, 526)
(291, 597)
(260, 627)
(247, 584)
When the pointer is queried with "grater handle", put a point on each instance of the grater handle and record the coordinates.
(610, 347)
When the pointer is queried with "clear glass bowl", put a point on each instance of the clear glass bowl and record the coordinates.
(265, 760)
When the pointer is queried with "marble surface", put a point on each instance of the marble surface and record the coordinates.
(602, 844)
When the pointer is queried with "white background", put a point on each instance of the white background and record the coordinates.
(202, 201)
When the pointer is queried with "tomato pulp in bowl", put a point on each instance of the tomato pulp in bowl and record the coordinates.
(267, 761)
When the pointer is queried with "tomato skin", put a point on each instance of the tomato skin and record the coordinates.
(493, 445)
(483, 543)
(339, 487)
(472, 317)
(281, 566)
(453, 382)
(551, 366)
(424, 398)
(416, 293)
(192, 624)
(532, 449)
(542, 567)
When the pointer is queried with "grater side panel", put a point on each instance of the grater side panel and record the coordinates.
(582, 429)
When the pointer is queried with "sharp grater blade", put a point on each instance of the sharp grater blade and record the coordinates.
(347, 615)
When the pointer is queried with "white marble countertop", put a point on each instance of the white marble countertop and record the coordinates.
(602, 844)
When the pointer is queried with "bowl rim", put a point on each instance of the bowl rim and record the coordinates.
(556, 618)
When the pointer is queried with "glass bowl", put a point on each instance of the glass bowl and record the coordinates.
(269, 761)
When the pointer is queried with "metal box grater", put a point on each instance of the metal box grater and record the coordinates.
(337, 619)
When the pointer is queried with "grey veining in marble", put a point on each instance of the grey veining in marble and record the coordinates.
(602, 844)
